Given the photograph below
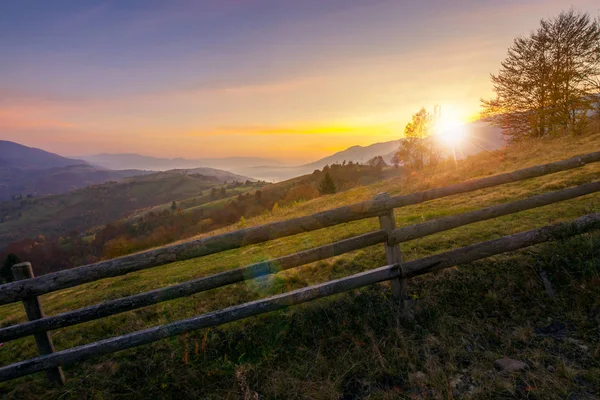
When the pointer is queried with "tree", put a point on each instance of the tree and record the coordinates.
(223, 192)
(419, 146)
(377, 162)
(327, 185)
(548, 81)
(174, 205)
(396, 160)
(213, 193)
(258, 195)
(5, 271)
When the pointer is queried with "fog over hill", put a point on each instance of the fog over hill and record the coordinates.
(478, 136)
(137, 161)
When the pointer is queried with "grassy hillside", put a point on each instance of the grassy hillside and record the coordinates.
(95, 205)
(352, 345)
(191, 203)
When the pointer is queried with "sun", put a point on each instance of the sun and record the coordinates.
(449, 129)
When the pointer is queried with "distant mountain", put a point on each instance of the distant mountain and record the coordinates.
(27, 171)
(478, 136)
(18, 156)
(359, 154)
(137, 161)
(18, 182)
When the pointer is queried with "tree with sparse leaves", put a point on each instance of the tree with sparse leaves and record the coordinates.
(549, 82)
(419, 147)
(174, 205)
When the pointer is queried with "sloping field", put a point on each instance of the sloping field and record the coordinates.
(353, 345)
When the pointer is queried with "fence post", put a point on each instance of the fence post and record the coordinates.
(33, 309)
(393, 255)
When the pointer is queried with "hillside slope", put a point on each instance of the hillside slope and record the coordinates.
(19, 156)
(27, 171)
(352, 345)
(94, 205)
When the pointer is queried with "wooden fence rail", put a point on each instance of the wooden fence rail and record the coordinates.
(404, 270)
(188, 288)
(381, 206)
(15, 291)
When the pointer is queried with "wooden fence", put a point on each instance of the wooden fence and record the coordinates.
(26, 287)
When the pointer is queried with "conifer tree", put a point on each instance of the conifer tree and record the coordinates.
(327, 185)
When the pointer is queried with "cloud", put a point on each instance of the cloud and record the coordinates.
(19, 118)
(316, 128)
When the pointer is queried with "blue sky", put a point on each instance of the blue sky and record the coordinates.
(296, 79)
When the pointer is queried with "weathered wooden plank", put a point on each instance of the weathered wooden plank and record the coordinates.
(416, 231)
(191, 287)
(405, 270)
(249, 272)
(34, 311)
(501, 245)
(393, 255)
(15, 291)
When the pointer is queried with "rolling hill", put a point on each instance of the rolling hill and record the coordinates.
(97, 204)
(137, 161)
(16, 155)
(27, 171)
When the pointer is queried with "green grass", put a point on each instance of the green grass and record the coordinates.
(353, 344)
(196, 202)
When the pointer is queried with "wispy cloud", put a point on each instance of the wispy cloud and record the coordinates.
(12, 118)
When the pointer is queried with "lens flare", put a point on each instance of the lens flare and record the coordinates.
(450, 130)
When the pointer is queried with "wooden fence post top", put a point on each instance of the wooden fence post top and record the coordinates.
(22, 271)
(382, 195)
(22, 264)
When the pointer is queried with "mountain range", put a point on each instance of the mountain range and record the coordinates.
(27, 171)
(478, 136)
(137, 161)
